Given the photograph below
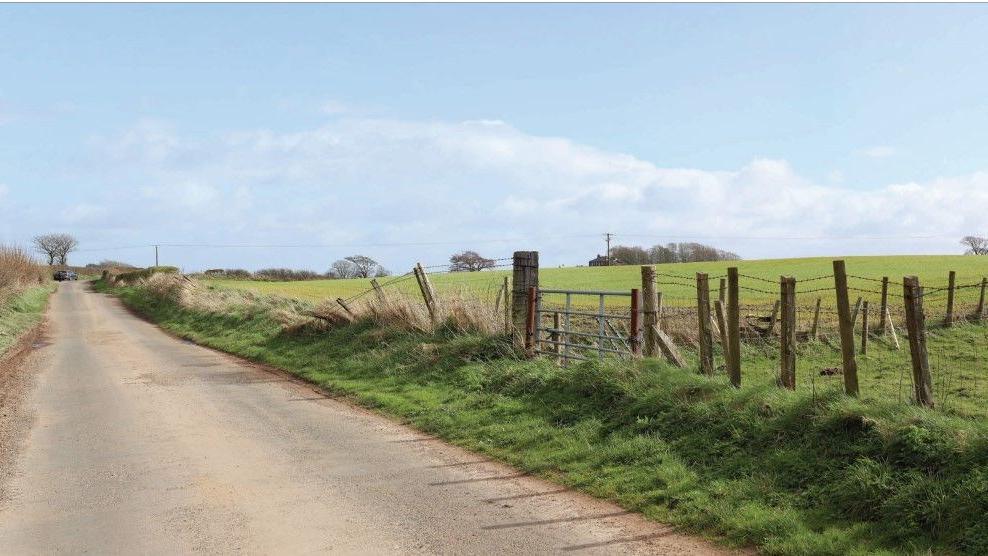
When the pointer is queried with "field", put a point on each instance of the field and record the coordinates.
(931, 269)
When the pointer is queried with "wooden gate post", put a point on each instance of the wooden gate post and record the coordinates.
(704, 328)
(951, 279)
(883, 309)
(787, 332)
(733, 327)
(650, 312)
(864, 329)
(850, 366)
(912, 295)
(981, 299)
(530, 321)
(428, 294)
(635, 334)
(524, 276)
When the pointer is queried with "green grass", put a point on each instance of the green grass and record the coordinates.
(22, 312)
(805, 472)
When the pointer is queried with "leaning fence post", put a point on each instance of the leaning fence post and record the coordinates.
(634, 335)
(850, 366)
(787, 332)
(524, 276)
(345, 307)
(703, 323)
(650, 313)
(855, 311)
(951, 279)
(981, 299)
(883, 309)
(864, 329)
(427, 292)
(815, 329)
(912, 295)
(377, 290)
(734, 328)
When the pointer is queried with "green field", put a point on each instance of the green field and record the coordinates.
(677, 290)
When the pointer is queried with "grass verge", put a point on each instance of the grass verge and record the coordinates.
(790, 473)
(22, 311)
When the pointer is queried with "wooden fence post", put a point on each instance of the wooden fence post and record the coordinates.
(864, 329)
(658, 310)
(883, 309)
(377, 290)
(981, 299)
(733, 327)
(951, 280)
(507, 306)
(635, 334)
(650, 313)
(850, 366)
(722, 326)
(815, 330)
(773, 318)
(855, 311)
(703, 323)
(345, 307)
(787, 332)
(912, 295)
(722, 290)
(427, 292)
(524, 276)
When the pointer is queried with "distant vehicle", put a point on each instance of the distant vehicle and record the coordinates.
(63, 275)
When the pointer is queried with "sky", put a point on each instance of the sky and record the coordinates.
(293, 135)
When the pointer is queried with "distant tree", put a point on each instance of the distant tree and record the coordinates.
(621, 254)
(364, 266)
(56, 247)
(469, 261)
(975, 245)
(342, 269)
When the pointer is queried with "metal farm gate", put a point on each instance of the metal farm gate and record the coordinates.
(572, 325)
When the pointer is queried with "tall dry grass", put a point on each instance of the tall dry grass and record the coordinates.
(18, 271)
(456, 311)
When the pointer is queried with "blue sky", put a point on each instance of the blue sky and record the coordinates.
(353, 126)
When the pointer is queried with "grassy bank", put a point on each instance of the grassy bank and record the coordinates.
(791, 473)
(22, 311)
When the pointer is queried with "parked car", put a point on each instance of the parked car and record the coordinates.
(63, 275)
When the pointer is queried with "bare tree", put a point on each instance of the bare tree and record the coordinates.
(975, 245)
(357, 266)
(343, 269)
(469, 261)
(56, 247)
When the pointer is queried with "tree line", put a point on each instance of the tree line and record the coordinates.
(686, 252)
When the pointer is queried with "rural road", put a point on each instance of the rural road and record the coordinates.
(127, 440)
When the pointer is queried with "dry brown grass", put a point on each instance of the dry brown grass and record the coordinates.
(18, 270)
(456, 311)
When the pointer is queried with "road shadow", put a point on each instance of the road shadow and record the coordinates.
(540, 522)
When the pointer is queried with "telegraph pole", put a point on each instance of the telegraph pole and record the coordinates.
(156, 255)
(607, 238)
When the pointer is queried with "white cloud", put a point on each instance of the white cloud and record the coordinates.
(378, 181)
(879, 151)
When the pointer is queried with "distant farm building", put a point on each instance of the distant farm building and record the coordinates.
(599, 260)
